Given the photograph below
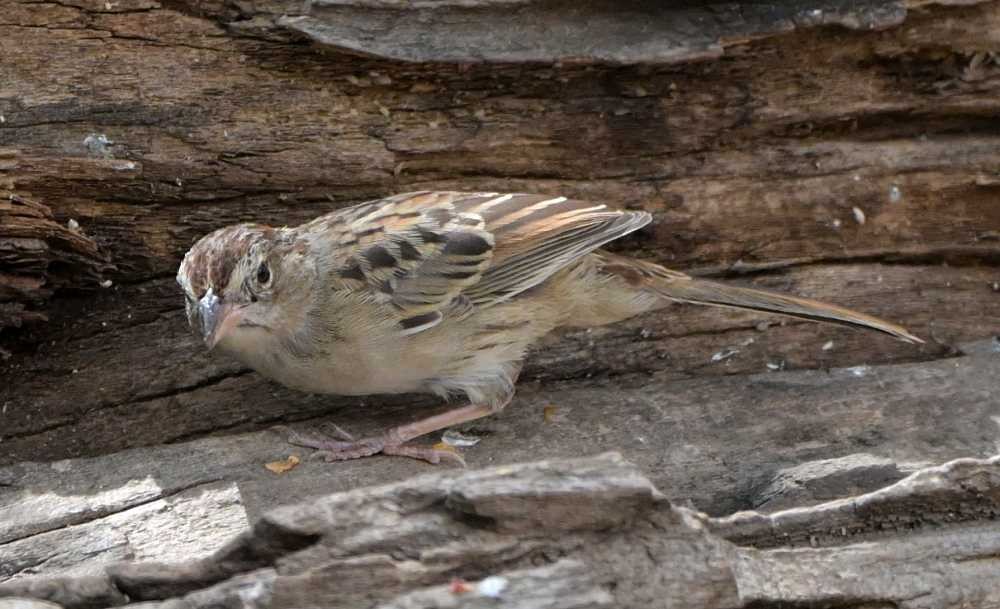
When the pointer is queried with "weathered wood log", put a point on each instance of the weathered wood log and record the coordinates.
(763, 442)
(39, 256)
(853, 165)
(514, 31)
(578, 533)
(846, 151)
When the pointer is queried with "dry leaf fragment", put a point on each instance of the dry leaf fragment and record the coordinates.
(445, 446)
(549, 413)
(460, 586)
(284, 465)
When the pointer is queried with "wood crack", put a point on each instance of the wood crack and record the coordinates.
(98, 515)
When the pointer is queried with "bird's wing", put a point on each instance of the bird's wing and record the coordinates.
(537, 235)
(426, 254)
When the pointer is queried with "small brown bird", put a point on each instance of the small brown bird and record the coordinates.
(439, 292)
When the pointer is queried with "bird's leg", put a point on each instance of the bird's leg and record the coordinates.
(392, 441)
(394, 438)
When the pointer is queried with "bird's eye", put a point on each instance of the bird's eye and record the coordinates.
(263, 274)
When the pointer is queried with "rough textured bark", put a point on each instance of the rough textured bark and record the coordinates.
(753, 164)
(39, 257)
(842, 150)
(577, 533)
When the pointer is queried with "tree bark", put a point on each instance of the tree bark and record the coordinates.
(846, 151)
(578, 533)
(856, 165)
(40, 257)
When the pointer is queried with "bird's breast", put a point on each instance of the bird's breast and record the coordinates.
(350, 367)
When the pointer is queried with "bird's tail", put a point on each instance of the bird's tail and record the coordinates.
(683, 288)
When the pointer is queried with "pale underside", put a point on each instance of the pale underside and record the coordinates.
(444, 293)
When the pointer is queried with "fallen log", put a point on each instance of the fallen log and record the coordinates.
(579, 533)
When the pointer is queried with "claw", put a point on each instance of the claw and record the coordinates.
(346, 447)
(425, 453)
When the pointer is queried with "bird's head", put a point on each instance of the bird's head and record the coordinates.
(238, 282)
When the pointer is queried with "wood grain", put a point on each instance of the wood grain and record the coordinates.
(758, 164)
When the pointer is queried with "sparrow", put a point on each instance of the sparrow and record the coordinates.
(439, 292)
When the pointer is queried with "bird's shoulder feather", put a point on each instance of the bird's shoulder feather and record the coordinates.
(425, 256)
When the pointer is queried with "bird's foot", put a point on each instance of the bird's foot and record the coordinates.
(338, 445)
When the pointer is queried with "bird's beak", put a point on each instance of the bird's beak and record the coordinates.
(217, 318)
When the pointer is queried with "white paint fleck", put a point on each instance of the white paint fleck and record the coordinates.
(73, 225)
(97, 143)
(778, 365)
(646, 332)
(107, 283)
(492, 587)
(827, 345)
(859, 216)
(255, 594)
(724, 354)
(895, 194)
(126, 166)
(3, 119)
(856, 178)
(836, 223)
(860, 371)
(458, 439)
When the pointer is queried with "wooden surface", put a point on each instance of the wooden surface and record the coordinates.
(573, 533)
(753, 164)
(40, 257)
(847, 151)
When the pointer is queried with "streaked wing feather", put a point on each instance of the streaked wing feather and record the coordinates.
(432, 254)
(414, 254)
(536, 236)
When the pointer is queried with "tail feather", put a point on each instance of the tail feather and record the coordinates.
(683, 288)
(699, 291)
